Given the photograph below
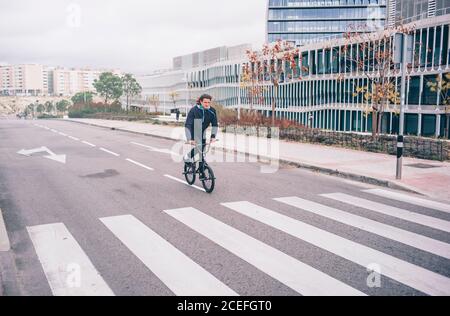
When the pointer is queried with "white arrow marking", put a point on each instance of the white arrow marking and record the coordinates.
(51, 155)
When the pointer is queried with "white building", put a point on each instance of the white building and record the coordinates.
(177, 88)
(37, 80)
(67, 82)
(21, 80)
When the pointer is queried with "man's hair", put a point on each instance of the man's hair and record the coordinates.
(204, 96)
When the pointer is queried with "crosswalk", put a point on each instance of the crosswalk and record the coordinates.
(69, 270)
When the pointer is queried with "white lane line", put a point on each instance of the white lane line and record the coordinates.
(47, 128)
(177, 271)
(68, 269)
(403, 236)
(4, 240)
(158, 150)
(411, 275)
(74, 138)
(62, 134)
(140, 165)
(184, 182)
(89, 144)
(141, 145)
(391, 211)
(410, 199)
(54, 131)
(286, 269)
(109, 152)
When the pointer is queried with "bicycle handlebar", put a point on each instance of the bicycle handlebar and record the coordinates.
(207, 146)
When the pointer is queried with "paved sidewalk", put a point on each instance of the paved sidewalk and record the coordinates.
(357, 165)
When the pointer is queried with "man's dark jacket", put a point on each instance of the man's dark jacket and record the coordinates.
(199, 116)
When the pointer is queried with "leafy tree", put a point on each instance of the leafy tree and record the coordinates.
(131, 88)
(30, 109)
(83, 98)
(49, 107)
(62, 106)
(40, 108)
(109, 86)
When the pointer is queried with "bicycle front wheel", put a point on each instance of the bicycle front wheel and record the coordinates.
(189, 173)
(209, 181)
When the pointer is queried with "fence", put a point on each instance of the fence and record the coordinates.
(416, 147)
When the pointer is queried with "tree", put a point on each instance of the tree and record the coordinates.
(154, 101)
(49, 107)
(442, 86)
(40, 108)
(174, 96)
(274, 64)
(109, 86)
(85, 98)
(62, 106)
(372, 55)
(131, 88)
(30, 109)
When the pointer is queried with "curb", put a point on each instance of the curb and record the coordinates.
(314, 168)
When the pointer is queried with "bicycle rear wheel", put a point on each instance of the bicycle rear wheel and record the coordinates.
(189, 173)
(209, 181)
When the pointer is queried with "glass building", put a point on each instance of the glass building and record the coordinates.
(321, 93)
(305, 21)
(406, 11)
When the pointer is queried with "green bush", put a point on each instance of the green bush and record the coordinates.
(47, 116)
(81, 113)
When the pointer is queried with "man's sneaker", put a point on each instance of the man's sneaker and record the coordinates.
(188, 160)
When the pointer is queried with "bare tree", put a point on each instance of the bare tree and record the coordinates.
(442, 86)
(272, 65)
(174, 96)
(154, 101)
(372, 56)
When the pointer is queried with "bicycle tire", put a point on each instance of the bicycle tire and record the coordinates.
(210, 182)
(189, 173)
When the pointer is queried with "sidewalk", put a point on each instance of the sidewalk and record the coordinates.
(374, 168)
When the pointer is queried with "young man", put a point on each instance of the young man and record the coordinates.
(198, 121)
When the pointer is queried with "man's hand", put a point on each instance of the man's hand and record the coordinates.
(213, 140)
(193, 143)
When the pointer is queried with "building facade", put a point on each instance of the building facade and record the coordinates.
(39, 80)
(321, 92)
(21, 80)
(215, 71)
(306, 21)
(407, 11)
(68, 82)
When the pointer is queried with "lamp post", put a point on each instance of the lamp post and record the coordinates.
(403, 54)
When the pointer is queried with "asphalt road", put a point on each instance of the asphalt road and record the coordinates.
(113, 220)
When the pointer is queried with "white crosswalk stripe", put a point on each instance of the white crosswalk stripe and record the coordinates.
(68, 269)
(179, 273)
(391, 211)
(411, 275)
(403, 236)
(410, 199)
(288, 270)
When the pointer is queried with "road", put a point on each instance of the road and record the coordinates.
(114, 220)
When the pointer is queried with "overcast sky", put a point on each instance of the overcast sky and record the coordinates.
(134, 35)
